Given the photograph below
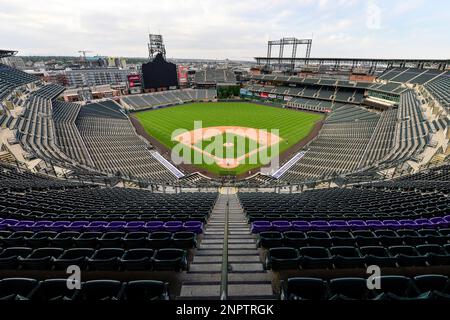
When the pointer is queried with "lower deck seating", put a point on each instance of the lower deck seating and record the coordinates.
(339, 147)
(167, 98)
(114, 146)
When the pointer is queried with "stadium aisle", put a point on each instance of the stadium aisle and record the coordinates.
(243, 276)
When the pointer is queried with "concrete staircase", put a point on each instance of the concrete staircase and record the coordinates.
(227, 264)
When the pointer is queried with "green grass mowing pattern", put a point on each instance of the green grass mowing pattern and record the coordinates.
(293, 125)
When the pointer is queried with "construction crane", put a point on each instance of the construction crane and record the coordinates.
(84, 53)
(85, 65)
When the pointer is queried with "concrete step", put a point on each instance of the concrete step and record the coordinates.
(245, 267)
(194, 290)
(207, 259)
(205, 267)
(249, 290)
(243, 259)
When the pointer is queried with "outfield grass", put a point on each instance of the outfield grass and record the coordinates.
(293, 125)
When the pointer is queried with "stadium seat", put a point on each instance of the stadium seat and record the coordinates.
(407, 256)
(431, 282)
(59, 226)
(41, 239)
(41, 258)
(346, 257)
(160, 239)
(294, 239)
(74, 256)
(284, 258)
(17, 288)
(365, 238)
(193, 226)
(22, 225)
(134, 226)
(348, 289)
(281, 225)
(339, 225)
(342, 238)
(52, 290)
(320, 225)
(261, 226)
(17, 239)
(87, 239)
(395, 288)
(301, 225)
(111, 239)
(77, 226)
(153, 226)
(315, 258)
(105, 259)
(9, 257)
(64, 239)
(304, 289)
(145, 290)
(318, 238)
(270, 239)
(40, 225)
(137, 259)
(184, 240)
(169, 259)
(377, 255)
(135, 239)
(96, 290)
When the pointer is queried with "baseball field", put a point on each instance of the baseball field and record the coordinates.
(232, 137)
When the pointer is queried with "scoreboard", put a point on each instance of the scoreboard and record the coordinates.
(134, 83)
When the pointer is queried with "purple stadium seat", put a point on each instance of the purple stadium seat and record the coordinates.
(59, 226)
(300, 225)
(134, 226)
(97, 225)
(320, 225)
(173, 226)
(152, 226)
(260, 226)
(40, 225)
(77, 226)
(116, 225)
(281, 225)
(22, 225)
(4, 224)
(422, 222)
(392, 224)
(408, 223)
(357, 224)
(193, 226)
(339, 225)
(440, 222)
(374, 224)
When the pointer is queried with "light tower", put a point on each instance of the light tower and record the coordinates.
(155, 46)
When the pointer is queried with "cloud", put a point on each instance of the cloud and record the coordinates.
(373, 16)
(214, 29)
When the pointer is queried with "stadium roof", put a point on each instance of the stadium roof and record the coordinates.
(7, 53)
(419, 63)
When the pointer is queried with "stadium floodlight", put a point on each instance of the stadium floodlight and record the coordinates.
(156, 45)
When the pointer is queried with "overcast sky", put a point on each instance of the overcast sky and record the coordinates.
(235, 29)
